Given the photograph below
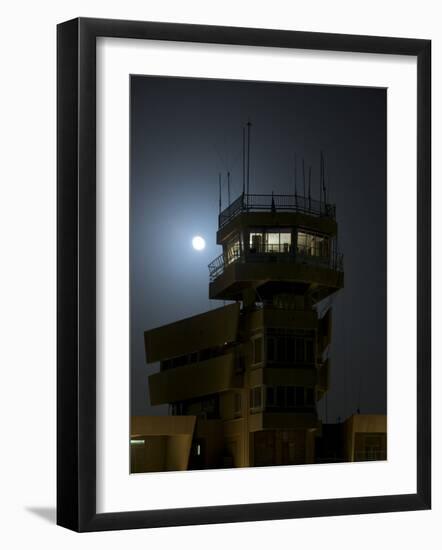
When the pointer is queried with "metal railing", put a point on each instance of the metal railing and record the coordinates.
(276, 203)
(280, 253)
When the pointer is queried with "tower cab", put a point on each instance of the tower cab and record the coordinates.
(276, 244)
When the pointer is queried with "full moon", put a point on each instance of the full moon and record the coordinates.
(198, 243)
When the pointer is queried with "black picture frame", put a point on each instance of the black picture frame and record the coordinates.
(76, 274)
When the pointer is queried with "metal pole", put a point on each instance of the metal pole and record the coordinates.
(303, 178)
(249, 124)
(219, 185)
(320, 184)
(243, 160)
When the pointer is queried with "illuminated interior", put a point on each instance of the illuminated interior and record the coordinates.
(270, 241)
(233, 250)
(312, 245)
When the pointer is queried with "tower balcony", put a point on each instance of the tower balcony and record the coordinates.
(273, 253)
(231, 274)
(246, 203)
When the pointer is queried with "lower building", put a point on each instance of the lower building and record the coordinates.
(160, 443)
(170, 443)
(359, 438)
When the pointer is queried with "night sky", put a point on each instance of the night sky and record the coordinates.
(183, 133)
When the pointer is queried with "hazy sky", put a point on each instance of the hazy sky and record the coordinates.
(183, 133)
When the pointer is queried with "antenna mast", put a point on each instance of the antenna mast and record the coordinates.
(303, 177)
(310, 188)
(323, 180)
(249, 124)
(219, 185)
(243, 160)
(320, 184)
(228, 187)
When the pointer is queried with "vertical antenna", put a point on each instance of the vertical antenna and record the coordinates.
(243, 160)
(323, 181)
(249, 124)
(310, 188)
(228, 187)
(320, 185)
(219, 185)
(303, 178)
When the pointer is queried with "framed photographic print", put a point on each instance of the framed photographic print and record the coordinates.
(243, 274)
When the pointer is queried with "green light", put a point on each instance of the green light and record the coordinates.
(137, 441)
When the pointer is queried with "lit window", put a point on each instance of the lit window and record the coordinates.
(233, 250)
(312, 245)
(278, 242)
(256, 242)
(272, 241)
(285, 240)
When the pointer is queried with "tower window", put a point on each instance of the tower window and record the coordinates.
(290, 396)
(290, 349)
(271, 241)
(281, 348)
(256, 398)
(237, 405)
(270, 396)
(280, 396)
(300, 356)
(256, 242)
(232, 250)
(309, 396)
(310, 244)
(285, 398)
(257, 350)
(270, 349)
(299, 396)
(309, 351)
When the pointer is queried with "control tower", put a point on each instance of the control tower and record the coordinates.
(252, 372)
